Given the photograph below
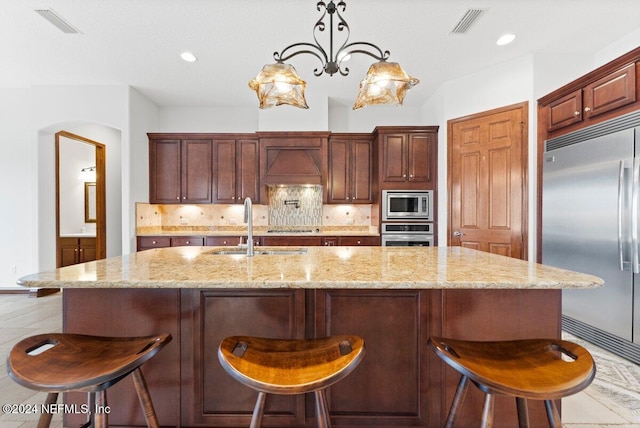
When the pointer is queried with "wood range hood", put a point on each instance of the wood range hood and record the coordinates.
(293, 158)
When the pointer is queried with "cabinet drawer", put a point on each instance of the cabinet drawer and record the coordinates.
(354, 241)
(222, 241)
(146, 242)
(184, 241)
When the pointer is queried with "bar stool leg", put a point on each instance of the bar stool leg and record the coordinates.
(145, 399)
(487, 411)
(523, 412)
(552, 414)
(101, 417)
(258, 410)
(322, 410)
(461, 391)
(45, 419)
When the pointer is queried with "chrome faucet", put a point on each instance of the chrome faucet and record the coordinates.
(248, 218)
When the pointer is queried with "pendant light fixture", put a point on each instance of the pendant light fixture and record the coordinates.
(279, 83)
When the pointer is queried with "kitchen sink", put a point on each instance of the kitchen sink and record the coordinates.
(259, 251)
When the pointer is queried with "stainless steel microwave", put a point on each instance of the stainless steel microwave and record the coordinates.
(407, 205)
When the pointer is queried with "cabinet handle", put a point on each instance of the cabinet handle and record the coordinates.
(587, 109)
(410, 175)
(184, 197)
(188, 242)
(358, 242)
(404, 175)
(576, 113)
(154, 242)
(233, 197)
(224, 242)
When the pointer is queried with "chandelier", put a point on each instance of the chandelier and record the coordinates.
(279, 83)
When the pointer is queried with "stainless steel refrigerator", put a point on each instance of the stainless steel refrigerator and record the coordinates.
(590, 220)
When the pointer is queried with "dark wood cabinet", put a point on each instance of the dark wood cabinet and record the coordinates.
(72, 251)
(294, 241)
(222, 241)
(605, 93)
(351, 171)
(150, 242)
(214, 397)
(236, 170)
(408, 157)
(373, 393)
(180, 170)
(356, 241)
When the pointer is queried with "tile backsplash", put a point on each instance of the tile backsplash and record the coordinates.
(295, 206)
(281, 211)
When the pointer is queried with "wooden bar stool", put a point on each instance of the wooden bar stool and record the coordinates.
(58, 363)
(287, 367)
(539, 369)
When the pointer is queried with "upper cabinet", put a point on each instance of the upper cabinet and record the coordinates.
(351, 172)
(408, 157)
(603, 94)
(236, 170)
(180, 171)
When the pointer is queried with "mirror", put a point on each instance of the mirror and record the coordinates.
(89, 202)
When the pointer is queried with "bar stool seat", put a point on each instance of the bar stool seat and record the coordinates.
(541, 369)
(287, 367)
(61, 362)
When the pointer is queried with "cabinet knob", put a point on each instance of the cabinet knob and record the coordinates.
(154, 242)
(576, 113)
(178, 198)
(404, 175)
(233, 197)
(587, 109)
(188, 242)
(410, 175)
(224, 242)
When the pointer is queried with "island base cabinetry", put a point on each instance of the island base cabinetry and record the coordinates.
(400, 383)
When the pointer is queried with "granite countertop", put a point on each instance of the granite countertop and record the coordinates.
(257, 231)
(319, 267)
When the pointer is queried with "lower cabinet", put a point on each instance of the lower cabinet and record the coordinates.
(213, 398)
(388, 388)
(72, 251)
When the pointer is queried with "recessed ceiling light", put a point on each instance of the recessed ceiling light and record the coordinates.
(188, 56)
(505, 39)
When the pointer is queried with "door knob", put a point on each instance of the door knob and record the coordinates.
(457, 233)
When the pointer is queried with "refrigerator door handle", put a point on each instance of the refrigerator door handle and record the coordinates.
(620, 209)
(634, 215)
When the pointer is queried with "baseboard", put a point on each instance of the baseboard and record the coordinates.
(32, 292)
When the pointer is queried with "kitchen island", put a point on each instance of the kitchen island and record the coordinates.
(394, 297)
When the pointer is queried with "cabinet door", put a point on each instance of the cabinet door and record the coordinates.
(394, 160)
(224, 182)
(565, 111)
(87, 249)
(390, 383)
(615, 90)
(67, 251)
(361, 172)
(339, 171)
(164, 171)
(196, 171)
(420, 157)
(214, 398)
(248, 170)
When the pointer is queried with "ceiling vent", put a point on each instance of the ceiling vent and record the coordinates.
(467, 20)
(60, 23)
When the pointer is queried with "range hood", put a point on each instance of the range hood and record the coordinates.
(287, 159)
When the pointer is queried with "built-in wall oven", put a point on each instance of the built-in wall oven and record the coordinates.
(407, 235)
(407, 205)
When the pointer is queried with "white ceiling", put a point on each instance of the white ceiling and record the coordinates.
(138, 42)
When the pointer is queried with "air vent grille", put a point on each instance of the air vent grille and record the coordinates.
(467, 20)
(59, 22)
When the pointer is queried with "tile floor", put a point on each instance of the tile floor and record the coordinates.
(612, 400)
